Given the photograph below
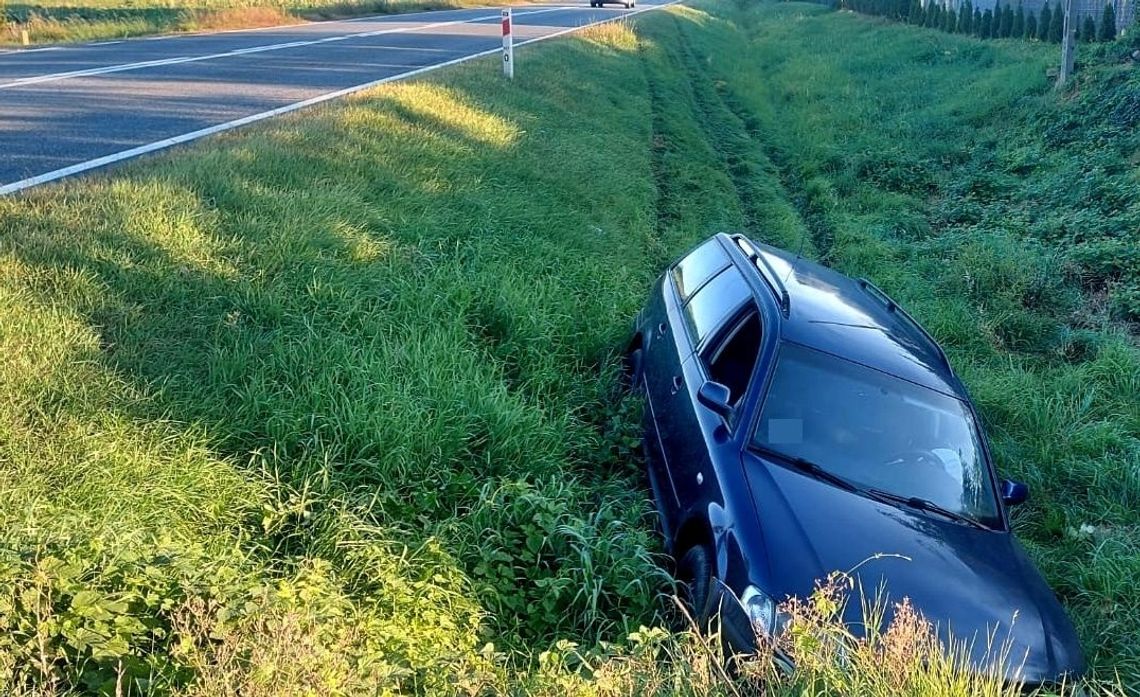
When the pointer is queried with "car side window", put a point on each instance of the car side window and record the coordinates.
(699, 266)
(731, 358)
(715, 303)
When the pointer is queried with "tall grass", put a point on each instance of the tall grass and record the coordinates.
(331, 406)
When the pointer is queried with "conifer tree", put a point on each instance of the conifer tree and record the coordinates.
(1043, 27)
(1108, 23)
(1018, 29)
(986, 30)
(976, 22)
(915, 16)
(965, 19)
(1007, 22)
(1057, 26)
(1031, 26)
(951, 24)
(1088, 30)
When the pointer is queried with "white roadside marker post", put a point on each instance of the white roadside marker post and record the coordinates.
(508, 45)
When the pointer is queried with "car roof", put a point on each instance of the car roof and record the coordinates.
(851, 318)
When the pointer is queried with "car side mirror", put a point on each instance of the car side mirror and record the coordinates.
(715, 397)
(1013, 493)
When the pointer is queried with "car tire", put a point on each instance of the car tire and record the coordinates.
(632, 370)
(695, 581)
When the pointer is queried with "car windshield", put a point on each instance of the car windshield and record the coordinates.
(876, 431)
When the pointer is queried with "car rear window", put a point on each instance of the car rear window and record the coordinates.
(699, 266)
(715, 303)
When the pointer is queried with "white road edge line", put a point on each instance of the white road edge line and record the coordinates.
(124, 67)
(237, 123)
(31, 50)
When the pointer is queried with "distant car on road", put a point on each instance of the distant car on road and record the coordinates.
(799, 422)
(629, 4)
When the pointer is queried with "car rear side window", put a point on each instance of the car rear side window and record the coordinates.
(699, 266)
(715, 303)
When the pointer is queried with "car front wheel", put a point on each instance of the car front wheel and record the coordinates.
(632, 369)
(695, 584)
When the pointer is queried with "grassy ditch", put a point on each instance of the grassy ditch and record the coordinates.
(330, 405)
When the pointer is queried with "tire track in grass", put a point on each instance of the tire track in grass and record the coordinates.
(769, 211)
(664, 217)
(693, 196)
(806, 203)
(769, 158)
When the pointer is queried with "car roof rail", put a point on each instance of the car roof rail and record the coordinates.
(783, 299)
(895, 308)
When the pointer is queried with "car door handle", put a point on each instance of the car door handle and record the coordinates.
(661, 328)
(678, 383)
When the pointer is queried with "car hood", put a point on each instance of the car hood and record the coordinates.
(973, 584)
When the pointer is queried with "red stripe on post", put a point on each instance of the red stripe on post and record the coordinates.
(506, 26)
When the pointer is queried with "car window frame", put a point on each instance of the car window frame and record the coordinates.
(723, 334)
(727, 332)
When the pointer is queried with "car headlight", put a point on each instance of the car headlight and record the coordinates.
(761, 610)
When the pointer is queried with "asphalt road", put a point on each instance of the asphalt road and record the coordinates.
(74, 108)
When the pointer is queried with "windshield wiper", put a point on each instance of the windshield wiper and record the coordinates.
(811, 469)
(922, 504)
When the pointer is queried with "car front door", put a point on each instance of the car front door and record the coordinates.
(666, 346)
(729, 358)
(713, 310)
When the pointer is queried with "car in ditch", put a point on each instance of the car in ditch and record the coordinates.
(799, 422)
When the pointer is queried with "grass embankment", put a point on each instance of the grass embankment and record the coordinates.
(61, 21)
(331, 404)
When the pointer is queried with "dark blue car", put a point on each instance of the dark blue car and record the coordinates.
(799, 422)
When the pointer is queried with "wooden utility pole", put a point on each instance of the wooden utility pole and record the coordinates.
(1068, 45)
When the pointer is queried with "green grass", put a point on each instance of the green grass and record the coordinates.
(61, 21)
(330, 406)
